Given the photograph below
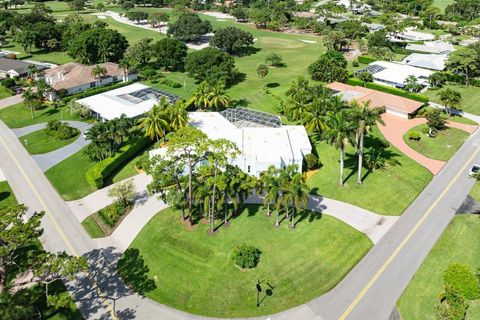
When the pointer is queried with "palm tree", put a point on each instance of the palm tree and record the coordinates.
(298, 194)
(366, 117)
(177, 115)
(201, 96)
(31, 99)
(104, 52)
(218, 98)
(298, 89)
(98, 71)
(273, 191)
(156, 121)
(339, 131)
(124, 64)
(450, 98)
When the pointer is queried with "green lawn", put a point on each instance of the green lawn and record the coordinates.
(5, 92)
(299, 264)
(388, 191)
(92, 228)
(470, 97)
(442, 4)
(68, 177)
(475, 192)
(459, 243)
(442, 147)
(18, 116)
(39, 142)
(7, 198)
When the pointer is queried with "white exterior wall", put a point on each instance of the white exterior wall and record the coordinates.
(396, 112)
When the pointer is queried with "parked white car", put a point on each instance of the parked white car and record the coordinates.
(474, 170)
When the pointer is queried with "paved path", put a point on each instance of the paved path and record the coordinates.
(394, 129)
(47, 160)
(369, 223)
(10, 101)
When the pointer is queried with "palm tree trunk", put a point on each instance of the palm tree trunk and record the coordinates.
(277, 221)
(3, 278)
(268, 209)
(357, 138)
(226, 211)
(294, 208)
(342, 151)
(360, 159)
(190, 213)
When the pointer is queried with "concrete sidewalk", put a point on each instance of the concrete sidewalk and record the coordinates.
(10, 101)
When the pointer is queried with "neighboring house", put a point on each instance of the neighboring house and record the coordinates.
(372, 27)
(410, 35)
(393, 104)
(14, 68)
(75, 77)
(427, 61)
(436, 47)
(394, 74)
(467, 42)
(133, 101)
(261, 138)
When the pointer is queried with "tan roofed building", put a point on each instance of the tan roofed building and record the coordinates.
(393, 104)
(75, 77)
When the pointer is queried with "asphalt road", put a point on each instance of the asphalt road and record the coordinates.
(369, 291)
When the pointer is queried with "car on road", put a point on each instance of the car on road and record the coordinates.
(474, 170)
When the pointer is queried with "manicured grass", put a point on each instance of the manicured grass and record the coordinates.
(442, 147)
(442, 4)
(460, 243)
(18, 116)
(470, 97)
(475, 192)
(40, 142)
(92, 228)
(128, 170)
(461, 119)
(5, 92)
(7, 198)
(388, 191)
(68, 177)
(194, 272)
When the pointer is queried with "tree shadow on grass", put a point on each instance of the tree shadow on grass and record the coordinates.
(241, 103)
(272, 85)
(247, 51)
(308, 215)
(4, 195)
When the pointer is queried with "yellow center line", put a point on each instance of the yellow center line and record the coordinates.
(59, 229)
(406, 239)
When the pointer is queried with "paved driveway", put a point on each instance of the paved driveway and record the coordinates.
(10, 101)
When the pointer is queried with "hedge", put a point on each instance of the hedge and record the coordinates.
(94, 91)
(101, 170)
(366, 59)
(391, 90)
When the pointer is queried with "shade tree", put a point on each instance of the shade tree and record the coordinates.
(465, 62)
(189, 27)
(330, 67)
(210, 64)
(232, 40)
(170, 54)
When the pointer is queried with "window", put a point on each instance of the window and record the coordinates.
(92, 84)
(115, 79)
(248, 169)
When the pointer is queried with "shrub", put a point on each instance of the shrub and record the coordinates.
(112, 213)
(94, 91)
(8, 83)
(62, 93)
(366, 59)
(462, 280)
(171, 83)
(274, 59)
(246, 256)
(97, 173)
(355, 63)
(391, 90)
(311, 161)
(60, 131)
(414, 135)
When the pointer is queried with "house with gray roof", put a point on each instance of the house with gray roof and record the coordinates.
(13, 68)
(436, 47)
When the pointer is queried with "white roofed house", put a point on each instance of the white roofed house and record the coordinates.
(395, 74)
(426, 61)
(133, 101)
(410, 35)
(436, 47)
(261, 138)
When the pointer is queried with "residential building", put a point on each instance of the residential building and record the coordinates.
(395, 74)
(372, 27)
(14, 68)
(75, 77)
(435, 47)
(133, 101)
(410, 35)
(393, 104)
(427, 61)
(261, 138)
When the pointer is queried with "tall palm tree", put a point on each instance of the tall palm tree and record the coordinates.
(339, 131)
(298, 89)
(124, 64)
(298, 194)
(450, 98)
(31, 100)
(201, 96)
(218, 98)
(366, 117)
(177, 115)
(156, 121)
(98, 72)
(104, 52)
(273, 191)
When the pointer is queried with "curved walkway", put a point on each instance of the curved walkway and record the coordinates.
(47, 160)
(10, 101)
(395, 127)
(371, 224)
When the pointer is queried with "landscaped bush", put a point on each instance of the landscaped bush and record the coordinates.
(391, 90)
(414, 135)
(97, 174)
(60, 131)
(355, 63)
(462, 280)
(171, 83)
(311, 161)
(112, 213)
(8, 82)
(94, 91)
(246, 256)
(366, 59)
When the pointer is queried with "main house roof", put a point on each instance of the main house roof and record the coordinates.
(377, 99)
